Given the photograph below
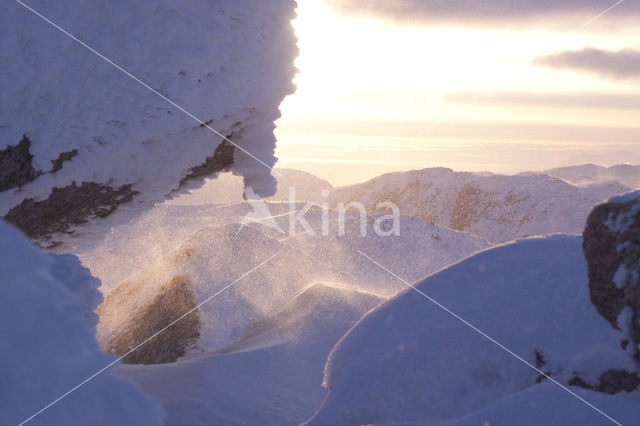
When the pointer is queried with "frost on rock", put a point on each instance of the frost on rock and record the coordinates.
(48, 347)
(75, 129)
(612, 250)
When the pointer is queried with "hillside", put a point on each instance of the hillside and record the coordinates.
(498, 208)
(586, 174)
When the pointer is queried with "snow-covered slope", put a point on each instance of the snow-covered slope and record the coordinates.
(206, 248)
(227, 188)
(419, 250)
(547, 404)
(497, 208)
(271, 375)
(48, 347)
(70, 120)
(586, 174)
(409, 360)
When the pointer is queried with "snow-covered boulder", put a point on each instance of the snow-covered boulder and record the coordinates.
(410, 361)
(612, 250)
(48, 346)
(79, 138)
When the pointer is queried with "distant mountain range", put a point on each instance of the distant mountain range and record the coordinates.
(587, 174)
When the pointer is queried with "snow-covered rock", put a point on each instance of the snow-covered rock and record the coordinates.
(48, 348)
(271, 375)
(79, 138)
(204, 248)
(497, 208)
(410, 361)
(612, 250)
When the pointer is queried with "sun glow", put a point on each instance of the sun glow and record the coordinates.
(352, 67)
(369, 84)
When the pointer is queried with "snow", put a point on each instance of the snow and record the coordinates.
(271, 375)
(494, 207)
(625, 198)
(149, 252)
(48, 347)
(621, 221)
(319, 312)
(588, 174)
(68, 270)
(546, 404)
(230, 64)
(227, 188)
(409, 360)
(621, 276)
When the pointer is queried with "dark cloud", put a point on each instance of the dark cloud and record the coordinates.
(577, 100)
(482, 10)
(619, 64)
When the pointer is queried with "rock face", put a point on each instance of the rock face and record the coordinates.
(612, 249)
(77, 133)
(174, 303)
(15, 165)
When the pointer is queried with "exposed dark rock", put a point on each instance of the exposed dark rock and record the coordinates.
(612, 249)
(76, 204)
(221, 159)
(610, 382)
(471, 204)
(68, 206)
(173, 301)
(15, 166)
(64, 156)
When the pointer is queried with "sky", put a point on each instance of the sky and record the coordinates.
(502, 86)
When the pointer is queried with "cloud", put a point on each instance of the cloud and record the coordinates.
(576, 100)
(619, 65)
(481, 10)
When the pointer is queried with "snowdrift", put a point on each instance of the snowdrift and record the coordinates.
(271, 375)
(48, 346)
(410, 361)
(205, 248)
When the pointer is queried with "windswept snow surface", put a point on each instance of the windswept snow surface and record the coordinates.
(271, 376)
(227, 188)
(227, 62)
(209, 246)
(410, 361)
(48, 346)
